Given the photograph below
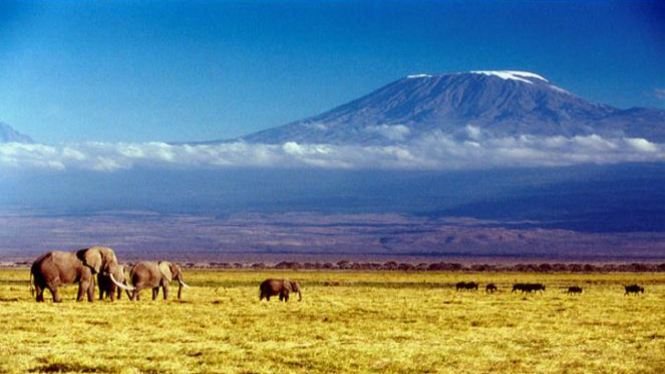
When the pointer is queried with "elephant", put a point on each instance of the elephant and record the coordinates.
(59, 268)
(154, 275)
(107, 287)
(281, 287)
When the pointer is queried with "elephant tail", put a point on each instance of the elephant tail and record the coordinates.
(32, 285)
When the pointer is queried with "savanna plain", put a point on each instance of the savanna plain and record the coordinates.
(348, 322)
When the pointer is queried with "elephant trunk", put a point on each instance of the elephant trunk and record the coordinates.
(299, 295)
(126, 288)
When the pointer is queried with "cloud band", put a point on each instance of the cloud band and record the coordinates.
(435, 151)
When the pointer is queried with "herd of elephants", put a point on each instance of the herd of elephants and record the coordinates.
(59, 268)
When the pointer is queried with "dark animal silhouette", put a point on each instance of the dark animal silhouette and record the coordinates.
(574, 289)
(634, 289)
(528, 287)
(469, 286)
(491, 288)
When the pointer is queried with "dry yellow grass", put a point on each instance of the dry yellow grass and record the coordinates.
(348, 322)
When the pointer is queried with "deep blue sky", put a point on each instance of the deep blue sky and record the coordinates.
(179, 71)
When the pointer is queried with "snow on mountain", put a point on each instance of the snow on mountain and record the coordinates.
(495, 103)
(415, 76)
(514, 75)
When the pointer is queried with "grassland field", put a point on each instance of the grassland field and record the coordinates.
(348, 322)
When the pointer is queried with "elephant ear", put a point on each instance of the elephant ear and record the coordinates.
(92, 258)
(108, 256)
(165, 268)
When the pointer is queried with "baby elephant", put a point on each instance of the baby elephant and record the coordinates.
(154, 275)
(281, 287)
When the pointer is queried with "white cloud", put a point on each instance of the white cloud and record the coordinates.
(473, 132)
(659, 93)
(391, 132)
(436, 151)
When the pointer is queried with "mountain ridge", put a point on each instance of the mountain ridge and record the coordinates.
(9, 135)
(499, 103)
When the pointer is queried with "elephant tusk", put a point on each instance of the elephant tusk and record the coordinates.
(127, 288)
(183, 284)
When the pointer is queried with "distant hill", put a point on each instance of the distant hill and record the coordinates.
(498, 103)
(8, 135)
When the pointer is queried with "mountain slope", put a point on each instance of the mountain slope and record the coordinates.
(498, 103)
(8, 135)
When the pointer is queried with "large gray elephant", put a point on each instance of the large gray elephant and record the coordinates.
(57, 268)
(107, 286)
(154, 275)
(281, 287)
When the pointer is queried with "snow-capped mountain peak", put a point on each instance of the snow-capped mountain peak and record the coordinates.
(423, 105)
(522, 76)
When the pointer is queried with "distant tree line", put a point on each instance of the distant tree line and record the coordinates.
(440, 266)
(437, 266)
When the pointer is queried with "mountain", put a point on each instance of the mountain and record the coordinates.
(499, 103)
(8, 135)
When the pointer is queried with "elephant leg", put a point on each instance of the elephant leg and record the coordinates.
(39, 292)
(55, 294)
(119, 293)
(111, 292)
(101, 293)
(165, 290)
(155, 293)
(86, 287)
(91, 291)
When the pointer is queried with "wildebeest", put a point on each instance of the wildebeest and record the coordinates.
(528, 287)
(490, 288)
(634, 289)
(574, 289)
(471, 286)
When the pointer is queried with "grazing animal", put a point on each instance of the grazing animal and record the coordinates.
(528, 287)
(574, 289)
(491, 288)
(281, 287)
(57, 268)
(154, 275)
(469, 286)
(634, 289)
